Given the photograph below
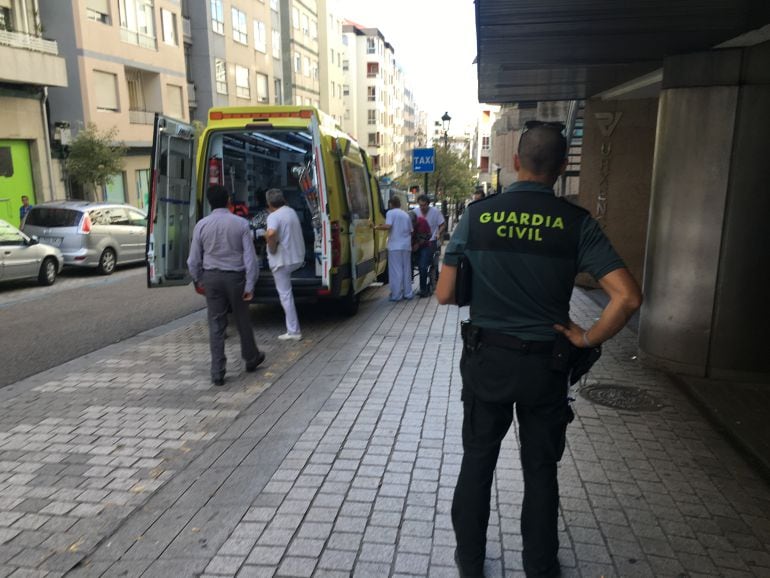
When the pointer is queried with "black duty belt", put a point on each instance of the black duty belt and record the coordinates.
(474, 335)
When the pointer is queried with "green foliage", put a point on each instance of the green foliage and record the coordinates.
(94, 156)
(453, 179)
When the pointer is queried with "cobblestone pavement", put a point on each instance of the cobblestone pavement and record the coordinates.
(339, 459)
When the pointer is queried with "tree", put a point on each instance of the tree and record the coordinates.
(453, 179)
(94, 157)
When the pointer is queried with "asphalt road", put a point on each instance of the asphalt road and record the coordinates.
(42, 327)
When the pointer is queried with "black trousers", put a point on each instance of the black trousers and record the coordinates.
(495, 380)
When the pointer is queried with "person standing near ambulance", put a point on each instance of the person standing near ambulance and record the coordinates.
(524, 247)
(224, 267)
(286, 254)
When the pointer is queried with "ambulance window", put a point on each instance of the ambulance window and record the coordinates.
(358, 189)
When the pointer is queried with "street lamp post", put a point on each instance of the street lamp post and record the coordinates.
(445, 120)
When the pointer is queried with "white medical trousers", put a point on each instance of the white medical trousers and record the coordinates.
(282, 277)
(400, 274)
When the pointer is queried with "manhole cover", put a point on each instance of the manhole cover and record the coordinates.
(621, 397)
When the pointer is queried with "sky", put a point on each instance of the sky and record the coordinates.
(435, 44)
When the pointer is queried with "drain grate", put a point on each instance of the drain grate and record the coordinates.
(621, 397)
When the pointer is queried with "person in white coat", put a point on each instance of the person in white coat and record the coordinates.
(285, 254)
(399, 225)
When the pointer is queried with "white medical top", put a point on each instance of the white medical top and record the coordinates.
(400, 235)
(290, 251)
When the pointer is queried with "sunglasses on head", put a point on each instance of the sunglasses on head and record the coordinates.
(530, 124)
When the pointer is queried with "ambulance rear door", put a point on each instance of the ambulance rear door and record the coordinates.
(173, 206)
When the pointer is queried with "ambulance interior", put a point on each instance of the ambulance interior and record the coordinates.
(250, 162)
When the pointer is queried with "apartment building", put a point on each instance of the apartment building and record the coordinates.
(30, 64)
(331, 50)
(125, 62)
(300, 38)
(370, 103)
(233, 54)
(481, 146)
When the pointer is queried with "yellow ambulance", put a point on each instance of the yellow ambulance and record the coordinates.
(325, 177)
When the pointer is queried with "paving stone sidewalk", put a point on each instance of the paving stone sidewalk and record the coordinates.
(339, 459)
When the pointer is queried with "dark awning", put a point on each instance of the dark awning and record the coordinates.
(568, 49)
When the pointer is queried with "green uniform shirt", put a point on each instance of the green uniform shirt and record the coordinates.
(525, 247)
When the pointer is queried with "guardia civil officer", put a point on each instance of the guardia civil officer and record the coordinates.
(525, 247)
(224, 267)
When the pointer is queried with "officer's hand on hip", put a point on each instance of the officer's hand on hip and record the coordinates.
(573, 332)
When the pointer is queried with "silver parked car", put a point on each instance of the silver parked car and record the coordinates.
(23, 257)
(99, 235)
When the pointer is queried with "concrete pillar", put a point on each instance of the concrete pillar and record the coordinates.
(707, 269)
(616, 172)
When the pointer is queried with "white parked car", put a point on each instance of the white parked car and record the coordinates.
(24, 257)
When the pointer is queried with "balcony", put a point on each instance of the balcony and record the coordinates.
(139, 39)
(30, 59)
(192, 99)
(141, 117)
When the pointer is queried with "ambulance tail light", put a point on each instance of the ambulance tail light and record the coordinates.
(85, 225)
(336, 244)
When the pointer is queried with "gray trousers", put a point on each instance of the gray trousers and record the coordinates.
(224, 292)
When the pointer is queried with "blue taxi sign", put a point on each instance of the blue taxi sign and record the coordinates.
(423, 160)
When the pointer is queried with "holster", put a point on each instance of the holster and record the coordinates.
(471, 336)
(577, 361)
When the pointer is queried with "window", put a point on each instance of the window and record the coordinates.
(274, 5)
(371, 117)
(260, 36)
(276, 44)
(262, 92)
(174, 101)
(305, 24)
(297, 63)
(114, 192)
(370, 46)
(240, 33)
(371, 93)
(10, 236)
(135, 218)
(306, 66)
(6, 19)
(143, 187)
(106, 91)
(6, 162)
(295, 18)
(298, 100)
(357, 187)
(96, 10)
(372, 69)
(278, 91)
(345, 89)
(137, 22)
(221, 75)
(217, 17)
(373, 138)
(168, 22)
(313, 29)
(345, 64)
(242, 85)
(484, 142)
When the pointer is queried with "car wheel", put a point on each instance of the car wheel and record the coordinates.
(48, 270)
(107, 262)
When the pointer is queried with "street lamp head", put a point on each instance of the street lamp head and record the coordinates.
(445, 120)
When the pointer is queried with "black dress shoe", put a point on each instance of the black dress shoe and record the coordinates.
(218, 381)
(464, 573)
(250, 367)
